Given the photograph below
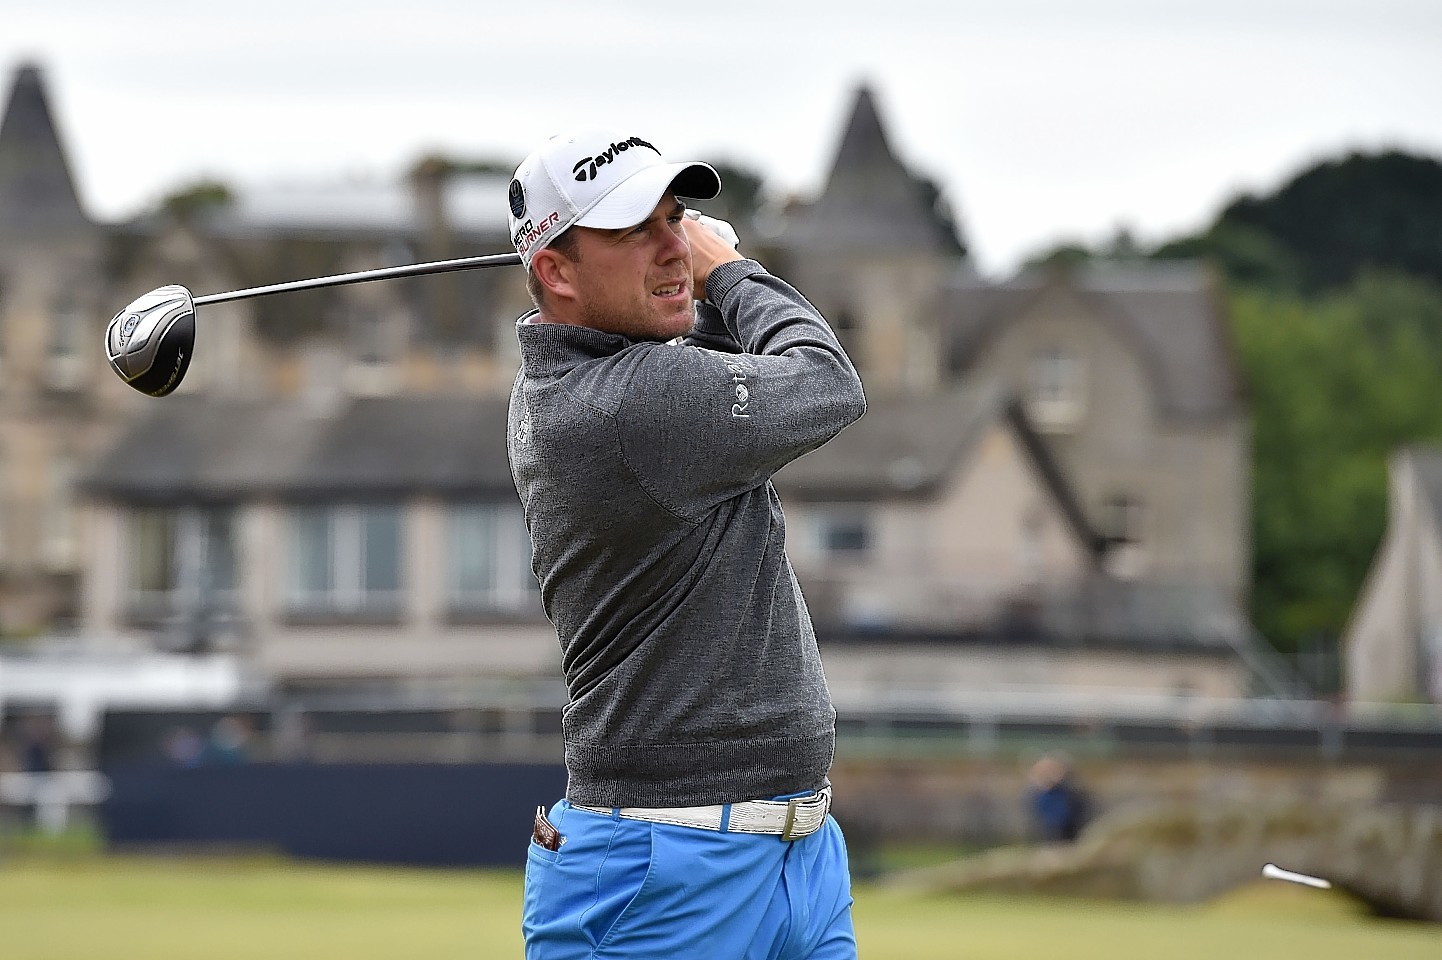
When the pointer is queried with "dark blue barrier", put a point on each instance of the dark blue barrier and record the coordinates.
(433, 814)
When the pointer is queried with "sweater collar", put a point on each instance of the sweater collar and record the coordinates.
(551, 349)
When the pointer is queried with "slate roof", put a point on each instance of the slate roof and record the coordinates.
(870, 200)
(36, 189)
(1169, 311)
(203, 450)
(225, 451)
(903, 446)
(911, 446)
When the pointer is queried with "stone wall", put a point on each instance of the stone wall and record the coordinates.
(981, 801)
(1388, 855)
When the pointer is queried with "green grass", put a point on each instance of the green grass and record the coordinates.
(152, 908)
(1261, 921)
(78, 840)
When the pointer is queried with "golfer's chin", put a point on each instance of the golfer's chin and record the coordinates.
(676, 320)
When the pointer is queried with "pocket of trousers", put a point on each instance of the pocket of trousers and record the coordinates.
(623, 876)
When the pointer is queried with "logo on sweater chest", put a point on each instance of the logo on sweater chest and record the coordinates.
(741, 376)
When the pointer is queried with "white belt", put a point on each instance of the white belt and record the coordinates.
(788, 819)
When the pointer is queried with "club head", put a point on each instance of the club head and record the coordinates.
(150, 342)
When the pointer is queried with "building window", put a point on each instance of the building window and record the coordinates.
(1121, 519)
(67, 337)
(345, 561)
(180, 561)
(488, 560)
(58, 544)
(1122, 523)
(6, 509)
(150, 559)
(1056, 389)
(843, 532)
(1032, 545)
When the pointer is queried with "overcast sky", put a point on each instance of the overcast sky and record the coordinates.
(1043, 120)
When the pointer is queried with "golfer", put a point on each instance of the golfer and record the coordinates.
(699, 731)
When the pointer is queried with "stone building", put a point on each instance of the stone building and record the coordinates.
(55, 282)
(1050, 488)
(1393, 642)
(1113, 387)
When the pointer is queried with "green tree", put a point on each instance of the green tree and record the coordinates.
(946, 221)
(1341, 217)
(1244, 254)
(442, 165)
(1066, 253)
(1337, 384)
(196, 199)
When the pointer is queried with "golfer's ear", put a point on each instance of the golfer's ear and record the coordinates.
(555, 273)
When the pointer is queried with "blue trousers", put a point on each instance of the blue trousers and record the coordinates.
(635, 889)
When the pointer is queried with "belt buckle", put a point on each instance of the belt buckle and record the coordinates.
(793, 806)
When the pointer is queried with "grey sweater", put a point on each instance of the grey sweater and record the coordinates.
(644, 469)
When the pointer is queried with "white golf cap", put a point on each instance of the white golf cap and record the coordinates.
(595, 179)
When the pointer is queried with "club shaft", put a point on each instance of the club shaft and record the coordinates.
(381, 273)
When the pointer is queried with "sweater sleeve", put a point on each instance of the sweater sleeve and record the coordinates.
(710, 330)
(699, 425)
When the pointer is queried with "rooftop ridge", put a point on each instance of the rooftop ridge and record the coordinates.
(37, 191)
(870, 198)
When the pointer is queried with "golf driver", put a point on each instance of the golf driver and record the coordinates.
(150, 342)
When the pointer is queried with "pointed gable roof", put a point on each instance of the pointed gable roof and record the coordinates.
(1171, 312)
(871, 201)
(909, 447)
(864, 152)
(36, 190)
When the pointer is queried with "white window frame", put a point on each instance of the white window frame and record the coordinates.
(191, 549)
(511, 586)
(346, 592)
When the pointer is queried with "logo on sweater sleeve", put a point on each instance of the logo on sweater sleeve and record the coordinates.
(741, 379)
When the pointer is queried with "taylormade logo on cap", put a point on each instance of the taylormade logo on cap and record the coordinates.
(595, 179)
(585, 168)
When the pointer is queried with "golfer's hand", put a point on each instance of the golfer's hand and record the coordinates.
(708, 251)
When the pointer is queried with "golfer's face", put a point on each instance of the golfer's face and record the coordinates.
(636, 281)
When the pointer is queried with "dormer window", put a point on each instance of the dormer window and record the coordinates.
(1056, 389)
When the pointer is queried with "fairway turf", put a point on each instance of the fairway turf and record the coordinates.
(117, 908)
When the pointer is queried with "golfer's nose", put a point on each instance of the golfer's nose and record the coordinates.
(673, 244)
